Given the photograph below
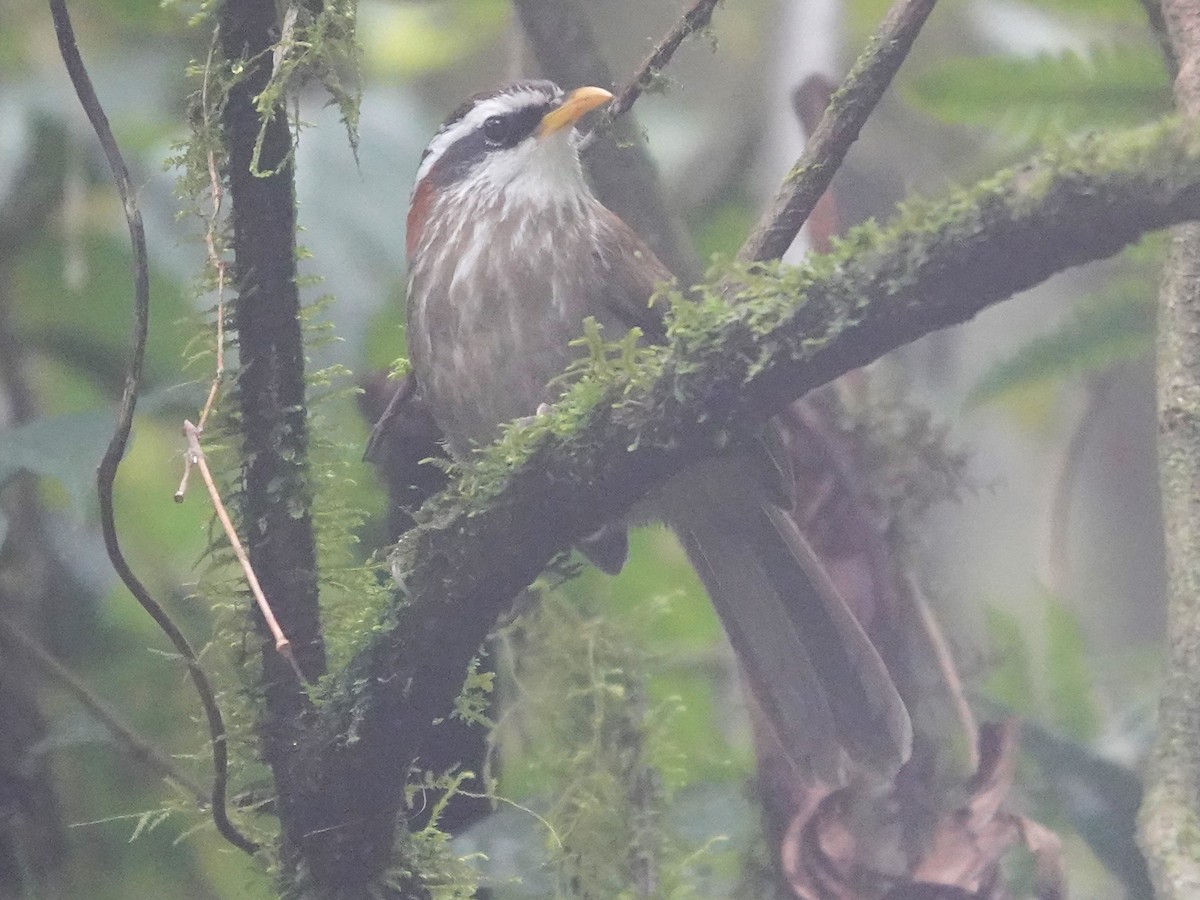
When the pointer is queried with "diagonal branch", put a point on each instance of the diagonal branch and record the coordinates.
(139, 748)
(695, 19)
(107, 471)
(196, 457)
(844, 117)
(623, 174)
(727, 369)
(1162, 36)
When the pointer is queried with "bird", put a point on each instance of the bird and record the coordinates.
(509, 252)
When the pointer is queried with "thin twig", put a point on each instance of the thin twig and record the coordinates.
(218, 264)
(809, 101)
(843, 119)
(137, 747)
(107, 470)
(695, 19)
(196, 457)
(217, 190)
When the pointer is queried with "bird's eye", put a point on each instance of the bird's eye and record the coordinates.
(495, 130)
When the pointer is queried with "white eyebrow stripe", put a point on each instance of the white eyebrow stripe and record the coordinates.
(473, 120)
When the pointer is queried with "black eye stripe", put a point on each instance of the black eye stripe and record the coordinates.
(509, 129)
(498, 132)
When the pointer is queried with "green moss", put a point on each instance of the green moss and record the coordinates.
(748, 319)
(320, 47)
(580, 681)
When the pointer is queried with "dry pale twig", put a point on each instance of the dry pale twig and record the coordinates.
(217, 190)
(845, 116)
(218, 264)
(107, 471)
(196, 458)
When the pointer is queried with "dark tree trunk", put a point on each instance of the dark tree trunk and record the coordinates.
(270, 389)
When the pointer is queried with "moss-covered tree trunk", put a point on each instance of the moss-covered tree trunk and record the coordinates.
(1170, 820)
(275, 514)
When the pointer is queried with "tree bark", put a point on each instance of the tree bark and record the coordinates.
(275, 501)
(1170, 817)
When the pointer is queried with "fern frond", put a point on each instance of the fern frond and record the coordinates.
(1110, 328)
(1111, 86)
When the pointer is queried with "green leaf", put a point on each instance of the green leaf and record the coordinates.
(1010, 680)
(1111, 86)
(1107, 329)
(1069, 680)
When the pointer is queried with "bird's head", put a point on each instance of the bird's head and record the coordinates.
(515, 146)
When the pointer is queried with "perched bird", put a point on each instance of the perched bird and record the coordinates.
(508, 253)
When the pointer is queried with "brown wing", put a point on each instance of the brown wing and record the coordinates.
(630, 273)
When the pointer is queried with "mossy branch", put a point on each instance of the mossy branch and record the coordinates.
(848, 110)
(726, 369)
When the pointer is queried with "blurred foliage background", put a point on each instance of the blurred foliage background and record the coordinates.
(1047, 576)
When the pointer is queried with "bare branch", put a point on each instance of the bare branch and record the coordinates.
(1098, 390)
(138, 748)
(695, 19)
(107, 471)
(845, 116)
(1158, 26)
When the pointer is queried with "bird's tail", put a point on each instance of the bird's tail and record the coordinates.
(812, 669)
